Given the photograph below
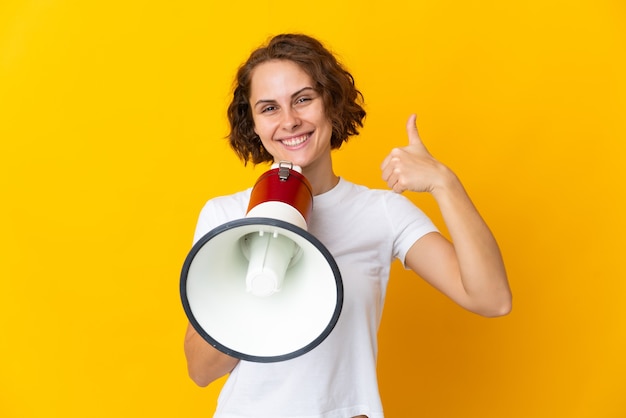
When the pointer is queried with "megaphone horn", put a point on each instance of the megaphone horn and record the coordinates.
(262, 288)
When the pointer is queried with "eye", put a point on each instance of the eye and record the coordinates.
(268, 109)
(303, 100)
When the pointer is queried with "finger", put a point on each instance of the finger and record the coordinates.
(385, 162)
(387, 172)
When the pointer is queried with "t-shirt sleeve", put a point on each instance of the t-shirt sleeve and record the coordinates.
(206, 221)
(220, 210)
(408, 222)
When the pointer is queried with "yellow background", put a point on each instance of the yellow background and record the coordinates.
(111, 127)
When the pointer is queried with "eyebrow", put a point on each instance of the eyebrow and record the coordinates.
(297, 93)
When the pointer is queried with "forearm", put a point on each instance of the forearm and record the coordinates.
(469, 270)
(204, 362)
(481, 268)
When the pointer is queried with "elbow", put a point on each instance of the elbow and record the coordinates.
(205, 374)
(200, 379)
(497, 312)
(494, 310)
(201, 382)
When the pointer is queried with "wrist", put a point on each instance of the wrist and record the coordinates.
(446, 182)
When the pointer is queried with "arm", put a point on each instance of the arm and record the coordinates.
(470, 269)
(204, 362)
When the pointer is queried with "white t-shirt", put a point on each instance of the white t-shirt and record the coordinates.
(364, 230)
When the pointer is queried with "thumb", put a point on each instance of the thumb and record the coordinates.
(411, 130)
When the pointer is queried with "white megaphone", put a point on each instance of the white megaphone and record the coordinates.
(262, 288)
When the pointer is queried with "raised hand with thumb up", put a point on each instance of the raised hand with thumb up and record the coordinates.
(412, 167)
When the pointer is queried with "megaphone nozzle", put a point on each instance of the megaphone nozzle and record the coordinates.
(263, 284)
(269, 256)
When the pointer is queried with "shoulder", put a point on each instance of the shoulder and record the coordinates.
(355, 202)
(221, 209)
(371, 196)
(233, 203)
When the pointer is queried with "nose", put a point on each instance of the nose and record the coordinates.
(291, 120)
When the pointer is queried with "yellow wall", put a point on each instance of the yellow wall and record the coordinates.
(111, 119)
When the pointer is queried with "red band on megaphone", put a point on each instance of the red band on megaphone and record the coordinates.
(294, 190)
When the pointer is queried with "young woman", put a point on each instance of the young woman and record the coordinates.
(294, 102)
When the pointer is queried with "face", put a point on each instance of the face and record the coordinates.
(289, 115)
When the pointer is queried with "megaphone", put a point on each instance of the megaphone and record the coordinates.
(262, 288)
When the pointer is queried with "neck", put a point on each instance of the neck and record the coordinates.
(322, 178)
(323, 185)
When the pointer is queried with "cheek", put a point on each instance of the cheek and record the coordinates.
(265, 143)
(261, 129)
(266, 140)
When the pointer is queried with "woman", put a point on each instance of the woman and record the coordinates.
(294, 102)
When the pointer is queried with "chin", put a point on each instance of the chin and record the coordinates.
(292, 160)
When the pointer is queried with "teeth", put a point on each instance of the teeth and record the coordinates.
(295, 141)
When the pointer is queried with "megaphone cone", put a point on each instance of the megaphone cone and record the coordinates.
(262, 288)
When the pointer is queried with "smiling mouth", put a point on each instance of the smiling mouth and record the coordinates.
(294, 141)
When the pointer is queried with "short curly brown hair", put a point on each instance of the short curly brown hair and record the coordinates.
(342, 101)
